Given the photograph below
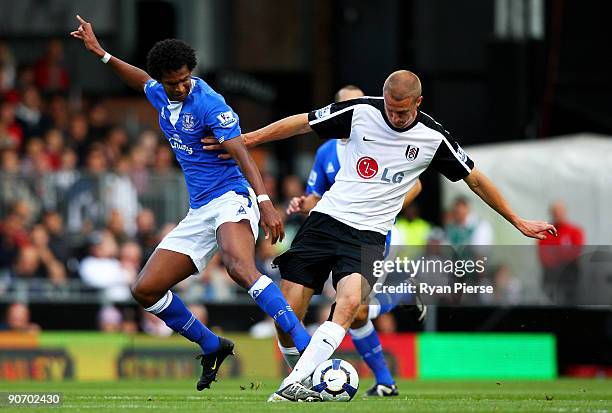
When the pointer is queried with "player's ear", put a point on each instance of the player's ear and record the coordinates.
(419, 100)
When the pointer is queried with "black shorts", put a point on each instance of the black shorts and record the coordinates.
(323, 245)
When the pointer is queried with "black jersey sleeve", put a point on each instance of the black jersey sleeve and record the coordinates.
(333, 121)
(450, 160)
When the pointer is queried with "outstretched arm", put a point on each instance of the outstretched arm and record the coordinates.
(281, 129)
(131, 75)
(486, 190)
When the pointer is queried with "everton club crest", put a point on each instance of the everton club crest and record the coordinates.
(188, 122)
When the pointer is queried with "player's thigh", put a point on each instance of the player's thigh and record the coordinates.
(236, 223)
(298, 297)
(163, 270)
(237, 248)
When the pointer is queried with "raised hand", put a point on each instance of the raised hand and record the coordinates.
(85, 33)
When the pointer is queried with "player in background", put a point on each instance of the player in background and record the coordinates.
(391, 142)
(224, 213)
(326, 165)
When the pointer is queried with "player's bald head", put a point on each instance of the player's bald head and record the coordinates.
(402, 84)
(348, 92)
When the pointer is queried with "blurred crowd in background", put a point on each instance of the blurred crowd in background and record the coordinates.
(84, 200)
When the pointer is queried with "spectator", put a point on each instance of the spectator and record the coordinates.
(148, 141)
(130, 256)
(28, 265)
(115, 144)
(120, 195)
(216, 281)
(14, 189)
(54, 147)
(78, 133)
(386, 324)
(110, 319)
(508, 288)
(164, 161)
(58, 244)
(85, 209)
(7, 69)
(559, 256)
(145, 232)
(59, 112)
(414, 229)
(13, 237)
(57, 185)
(11, 132)
(115, 226)
(138, 169)
(50, 73)
(30, 113)
(36, 162)
(101, 269)
(54, 268)
(98, 121)
(17, 319)
(467, 229)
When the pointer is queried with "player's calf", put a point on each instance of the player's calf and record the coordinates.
(237, 247)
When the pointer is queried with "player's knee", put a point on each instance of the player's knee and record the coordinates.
(137, 292)
(144, 295)
(239, 270)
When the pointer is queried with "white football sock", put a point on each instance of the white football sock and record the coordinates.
(290, 354)
(324, 342)
(373, 308)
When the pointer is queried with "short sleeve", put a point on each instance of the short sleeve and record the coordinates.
(317, 180)
(151, 89)
(451, 160)
(221, 119)
(333, 121)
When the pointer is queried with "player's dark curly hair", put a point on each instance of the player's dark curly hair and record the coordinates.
(168, 56)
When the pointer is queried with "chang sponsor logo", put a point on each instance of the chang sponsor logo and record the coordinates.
(177, 144)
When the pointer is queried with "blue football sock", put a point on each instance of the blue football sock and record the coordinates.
(178, 317)
(387, 302)
(270, 299)
(368, 345)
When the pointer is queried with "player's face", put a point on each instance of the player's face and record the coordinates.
(177, 84)
(401, 113)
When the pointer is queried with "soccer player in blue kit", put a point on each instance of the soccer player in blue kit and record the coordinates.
(227, 199)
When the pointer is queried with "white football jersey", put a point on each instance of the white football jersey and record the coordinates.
(381, 163)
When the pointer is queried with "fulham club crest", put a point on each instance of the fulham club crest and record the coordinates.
(412, 152)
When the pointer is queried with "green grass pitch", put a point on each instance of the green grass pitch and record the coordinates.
(246, 395)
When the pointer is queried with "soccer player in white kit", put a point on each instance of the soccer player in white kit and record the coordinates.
(390, 143)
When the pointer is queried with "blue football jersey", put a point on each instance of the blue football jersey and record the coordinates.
(325, 168)
(202, 113)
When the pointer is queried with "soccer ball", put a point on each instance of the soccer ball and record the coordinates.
(336, 380)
